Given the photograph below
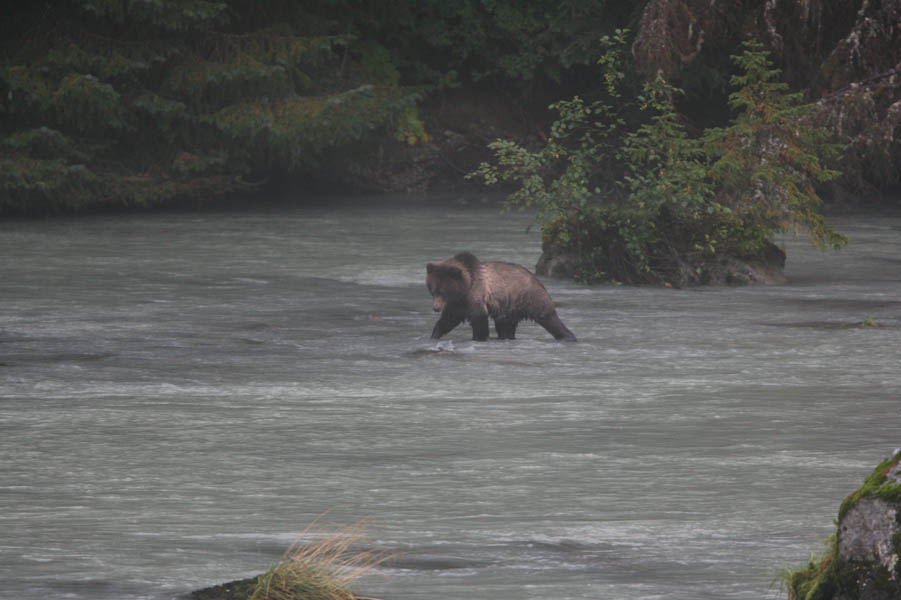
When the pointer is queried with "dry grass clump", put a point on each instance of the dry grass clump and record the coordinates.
(322, 570)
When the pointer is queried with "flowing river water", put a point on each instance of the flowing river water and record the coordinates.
(181, 394)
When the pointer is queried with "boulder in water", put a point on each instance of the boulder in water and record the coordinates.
(864, 559)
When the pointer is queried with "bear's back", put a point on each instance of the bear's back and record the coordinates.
(512, 290)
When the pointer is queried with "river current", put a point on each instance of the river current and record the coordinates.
(181, 394)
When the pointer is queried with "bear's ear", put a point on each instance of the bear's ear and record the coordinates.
(429, 268)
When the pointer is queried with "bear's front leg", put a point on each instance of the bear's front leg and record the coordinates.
(479, 328)
(447, 322)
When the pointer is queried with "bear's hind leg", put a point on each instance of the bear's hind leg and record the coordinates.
(506, 330)
(555, 327)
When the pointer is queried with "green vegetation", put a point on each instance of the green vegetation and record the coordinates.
(770, 159)
(527, 45)
(110, 103)
(826, 576)
(876, 485)
(869, 321)
(138, 103)
(621, 184)
(816, 581)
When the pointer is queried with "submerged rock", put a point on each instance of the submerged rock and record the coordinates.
(863, 561)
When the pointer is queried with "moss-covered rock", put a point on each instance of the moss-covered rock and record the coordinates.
(863, 561)
(233, 590)
(606, 262)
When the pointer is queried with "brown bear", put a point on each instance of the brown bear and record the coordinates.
(464, 288)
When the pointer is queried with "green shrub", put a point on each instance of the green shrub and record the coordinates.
(622, 185)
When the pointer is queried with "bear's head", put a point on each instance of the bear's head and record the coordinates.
(448, 284)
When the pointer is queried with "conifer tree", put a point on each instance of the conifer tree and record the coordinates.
(138, 102)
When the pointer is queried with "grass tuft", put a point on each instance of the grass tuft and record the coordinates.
(816, 581)
(869, 322)
(323, 570)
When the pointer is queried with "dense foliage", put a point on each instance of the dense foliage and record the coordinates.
(137, 102)
(123, 102)
(771, 158)
(638, 199)
(466, 41)
(842, 55)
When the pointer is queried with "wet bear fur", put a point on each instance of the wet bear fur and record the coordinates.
(464, 288)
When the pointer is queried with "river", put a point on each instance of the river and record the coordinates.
(181, 394)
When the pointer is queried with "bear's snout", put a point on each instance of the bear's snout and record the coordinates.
(437, 304)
